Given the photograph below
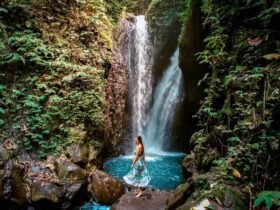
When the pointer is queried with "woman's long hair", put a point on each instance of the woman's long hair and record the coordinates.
(141, 142)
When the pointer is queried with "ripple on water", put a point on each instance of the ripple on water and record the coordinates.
(165, 170)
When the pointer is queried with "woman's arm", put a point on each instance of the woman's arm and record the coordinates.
(136, 156)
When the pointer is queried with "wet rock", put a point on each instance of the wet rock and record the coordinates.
(46, 191)
(179, 196)
(154, 200)
(106, 189)
(73, 190)
(78, 154)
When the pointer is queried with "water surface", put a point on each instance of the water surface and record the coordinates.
(165, 170)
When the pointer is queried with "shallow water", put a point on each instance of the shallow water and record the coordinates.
(165, 170)
(94, 206)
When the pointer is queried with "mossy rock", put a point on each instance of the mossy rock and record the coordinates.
(230, 198)
(70, 172)
(4, 154)
(179, 195)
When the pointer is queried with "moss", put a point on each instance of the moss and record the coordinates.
(54, 69)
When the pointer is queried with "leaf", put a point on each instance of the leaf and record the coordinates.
(3, 10)
(236, 173)
(234, 139)
(269, 197)
(210, 207)
(272, 56)
(2, 111)
(254, 42)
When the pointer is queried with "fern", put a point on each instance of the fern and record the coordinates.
(269, 197)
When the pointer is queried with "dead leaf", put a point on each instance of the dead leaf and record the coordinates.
(272, 56)
(254, 42)
(236, 173)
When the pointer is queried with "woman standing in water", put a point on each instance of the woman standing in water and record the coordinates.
(138, 175)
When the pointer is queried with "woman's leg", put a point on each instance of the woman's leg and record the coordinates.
(140, 192)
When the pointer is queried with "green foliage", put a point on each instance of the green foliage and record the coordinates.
(51, 85)
(28, 49)
(271, 198)
(239, 113)
(115, 7)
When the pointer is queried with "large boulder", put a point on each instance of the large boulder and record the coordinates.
(105, 189)
(70, 172)
(46, 191)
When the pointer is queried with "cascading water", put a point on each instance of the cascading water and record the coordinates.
(152, 120)
(155, 122)
(167, 96)
(140, 73)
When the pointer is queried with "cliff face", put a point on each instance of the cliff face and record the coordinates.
(116, 110)
(191, 43)
(52, 62)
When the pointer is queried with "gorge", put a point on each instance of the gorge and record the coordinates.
(197, 79)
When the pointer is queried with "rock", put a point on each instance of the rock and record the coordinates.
(189, 165)
(154, 200)
(179, 196)
(230, 198)
(225, 198)
(18, 189)
(46, 191)
(78, 154)
(4, 154)
(73, 190)
(2, 173)
(93, 154)
(106, 189)
(70, 172)
(74, 194)
(117, 118)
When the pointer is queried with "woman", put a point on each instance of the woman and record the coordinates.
(138, 175)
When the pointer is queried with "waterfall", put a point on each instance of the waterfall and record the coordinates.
(167, 96)
(140, 73)
(152, 112)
